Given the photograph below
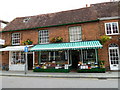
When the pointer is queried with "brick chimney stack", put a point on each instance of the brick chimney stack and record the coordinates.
(86, 5)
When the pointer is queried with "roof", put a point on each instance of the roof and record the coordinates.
(67, 46)
(95, 11)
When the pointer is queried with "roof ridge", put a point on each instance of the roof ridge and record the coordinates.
(91, 5)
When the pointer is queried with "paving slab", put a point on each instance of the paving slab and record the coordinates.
(114, 75)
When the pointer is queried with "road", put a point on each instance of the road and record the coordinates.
(40, 82)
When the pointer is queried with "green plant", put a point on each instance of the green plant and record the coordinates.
(102, 64)
(93, 70)
(57, 39)
(104, 39)
(27, 42)
(52, 70)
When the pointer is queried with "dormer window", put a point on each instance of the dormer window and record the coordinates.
(26, 20)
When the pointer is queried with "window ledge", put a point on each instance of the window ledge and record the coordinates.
(113, 34)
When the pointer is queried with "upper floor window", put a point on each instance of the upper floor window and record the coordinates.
(43, 36)
(16, 39)
(112, 28)
(75, 34)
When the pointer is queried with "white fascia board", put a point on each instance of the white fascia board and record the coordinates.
(109, 18)
(14, 48)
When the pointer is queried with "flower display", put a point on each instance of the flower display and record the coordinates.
(57, 39)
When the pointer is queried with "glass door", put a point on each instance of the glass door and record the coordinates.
(114, 57)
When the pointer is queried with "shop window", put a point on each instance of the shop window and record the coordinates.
(54, 56)
(18, 58)
(89, 55)
(75, 34)
(43, 36)
(44, 56)
(16, 39)
(112, 28)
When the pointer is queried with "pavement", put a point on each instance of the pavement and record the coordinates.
(109, 74)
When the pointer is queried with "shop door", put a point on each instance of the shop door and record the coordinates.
(114, 58)
(75, 59)
(30, 61)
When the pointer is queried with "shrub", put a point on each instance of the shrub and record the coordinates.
(93, 70)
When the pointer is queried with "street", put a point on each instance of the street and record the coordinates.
(46, 82)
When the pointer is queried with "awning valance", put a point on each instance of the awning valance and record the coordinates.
(67, 46)
(14, 48)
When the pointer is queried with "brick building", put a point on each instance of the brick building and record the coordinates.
(67, 38)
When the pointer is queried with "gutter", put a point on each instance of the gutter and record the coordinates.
(51, 26)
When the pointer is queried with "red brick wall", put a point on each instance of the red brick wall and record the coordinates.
(90, 31)
(5, 57)
(104, 53)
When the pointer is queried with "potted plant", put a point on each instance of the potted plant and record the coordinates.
(104, 39)
(28, 42)
(102, 64)
(57, 39)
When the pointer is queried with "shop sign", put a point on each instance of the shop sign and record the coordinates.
(2, 42)
(26, 49)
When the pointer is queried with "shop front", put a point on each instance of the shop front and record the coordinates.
(67, 56)
(17, 58)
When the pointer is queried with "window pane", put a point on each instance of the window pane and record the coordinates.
(44, 56)
(115, 28)
(108, 27)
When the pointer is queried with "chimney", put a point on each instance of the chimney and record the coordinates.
(86, 5)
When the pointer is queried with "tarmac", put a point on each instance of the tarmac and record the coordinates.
(106, 75)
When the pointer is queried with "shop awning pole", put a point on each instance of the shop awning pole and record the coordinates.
(82, 56)
(96, 54)
(33, 58)
(49, 55)
(68, 57)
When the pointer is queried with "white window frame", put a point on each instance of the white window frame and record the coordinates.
(75, 33)
(111, 28)
(44, 37)
(114, 64)
(18, 38)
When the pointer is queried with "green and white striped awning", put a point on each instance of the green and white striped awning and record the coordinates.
(67, 46)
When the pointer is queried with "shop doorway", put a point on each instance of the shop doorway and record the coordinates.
(30, 61)
(75, 59)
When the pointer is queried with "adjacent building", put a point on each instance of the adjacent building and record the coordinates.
(65, 39)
